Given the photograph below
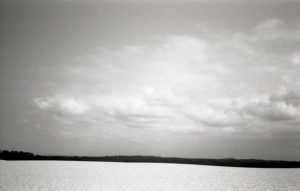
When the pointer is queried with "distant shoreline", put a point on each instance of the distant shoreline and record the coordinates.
(229, 162)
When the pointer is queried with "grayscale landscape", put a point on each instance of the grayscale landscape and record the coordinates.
(179, 94)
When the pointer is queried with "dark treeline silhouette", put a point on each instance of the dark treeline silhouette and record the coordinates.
(16, 155)
(254, 163)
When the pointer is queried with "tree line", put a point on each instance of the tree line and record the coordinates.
(253, 163)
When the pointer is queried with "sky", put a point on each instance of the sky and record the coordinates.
(205, 79)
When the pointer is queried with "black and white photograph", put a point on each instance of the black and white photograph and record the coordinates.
(149, 95)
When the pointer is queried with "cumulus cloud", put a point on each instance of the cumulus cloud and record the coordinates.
(62, 103)
(214, 115)
(273, 110)
(239, 112)
(182, 84)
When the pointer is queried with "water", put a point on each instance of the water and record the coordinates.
(69, 175)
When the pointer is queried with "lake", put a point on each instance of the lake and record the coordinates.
(109, 176)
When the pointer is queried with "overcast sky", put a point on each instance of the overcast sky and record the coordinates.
(209, 79)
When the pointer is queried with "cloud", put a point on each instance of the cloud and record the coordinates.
(214, 115)
(296, 59)
(273, 110)
(289, 95)
(274, 29)
(71, 105)
(62, 103)
(182, 84)
(44, 102)
(269, 25)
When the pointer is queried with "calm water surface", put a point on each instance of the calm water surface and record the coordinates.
(102, 176)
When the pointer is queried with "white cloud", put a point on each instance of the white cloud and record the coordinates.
(62, 103)
(214, 115)
(71, 105)
(181, 84)
(296, 59)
